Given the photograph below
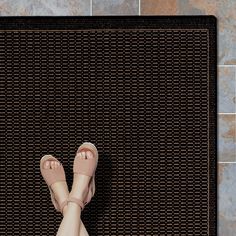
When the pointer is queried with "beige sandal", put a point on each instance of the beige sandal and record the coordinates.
(85, 167)
(52, 176)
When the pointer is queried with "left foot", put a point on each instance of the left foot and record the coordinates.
(59, 188)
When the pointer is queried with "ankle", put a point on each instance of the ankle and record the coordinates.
(72, 206)
(64, 210)
(75, 192)
(80, 186)
(61, 198)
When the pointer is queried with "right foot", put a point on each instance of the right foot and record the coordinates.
(81, 182)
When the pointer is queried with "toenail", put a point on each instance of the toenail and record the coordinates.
(89, 154)
(52, 165)
(46, 164)
(83, 154)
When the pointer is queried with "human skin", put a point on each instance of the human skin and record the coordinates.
(71, 223)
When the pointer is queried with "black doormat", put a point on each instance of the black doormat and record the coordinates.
(142, 89)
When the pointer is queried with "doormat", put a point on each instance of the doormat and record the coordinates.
(142, 89)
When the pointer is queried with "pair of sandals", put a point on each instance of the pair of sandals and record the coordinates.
(80, 166)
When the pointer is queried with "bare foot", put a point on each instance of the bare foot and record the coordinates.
(81, 182)
(60, 188)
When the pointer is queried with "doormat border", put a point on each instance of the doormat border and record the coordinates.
(152, 22)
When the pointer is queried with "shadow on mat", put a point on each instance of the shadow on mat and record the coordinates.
(95, 211)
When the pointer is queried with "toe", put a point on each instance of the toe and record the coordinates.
(83, 155)
(79, 155)
(50, 163)
(47, 164)
(89, 154)
(57, 164)
(53, 165)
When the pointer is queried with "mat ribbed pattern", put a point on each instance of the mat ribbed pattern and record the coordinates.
(142, 89)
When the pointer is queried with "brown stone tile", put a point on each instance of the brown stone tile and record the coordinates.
(220, 170)
(158, 7)
(199, 7)
(226, 199)
(224, 10)
(115, 7)
(227, 137)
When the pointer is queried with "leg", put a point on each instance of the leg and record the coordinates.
(71, 223)
(83, 231)
(61, 193)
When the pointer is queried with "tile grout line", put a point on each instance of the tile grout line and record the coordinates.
(227, 113)
(139, 7)
(224, 162)
(226, 65)
(229, 162)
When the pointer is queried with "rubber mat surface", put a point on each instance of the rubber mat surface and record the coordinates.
(142, 89)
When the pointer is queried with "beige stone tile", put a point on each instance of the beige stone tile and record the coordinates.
(44, 8)
(115, 7)
(227, 89)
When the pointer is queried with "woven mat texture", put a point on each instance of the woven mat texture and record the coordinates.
(142, 89)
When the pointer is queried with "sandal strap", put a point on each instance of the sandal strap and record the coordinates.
(77, 201)
(63, 204)
(52, 176)
(85, 167)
